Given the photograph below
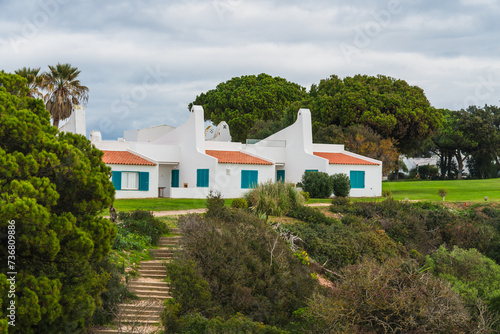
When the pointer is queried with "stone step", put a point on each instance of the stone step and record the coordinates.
(145, 293)
(154, 275)
(141, 307)
(137, 322)
(129, 330)
(156, 317)
(154, 265)
(135, 283)
(146, 287)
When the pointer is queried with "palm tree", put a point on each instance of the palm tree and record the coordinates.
(63, 91)
(35, 80)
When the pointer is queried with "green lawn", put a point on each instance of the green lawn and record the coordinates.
(161, 204)
(458, 190)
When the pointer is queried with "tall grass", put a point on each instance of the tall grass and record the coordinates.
(275, 199)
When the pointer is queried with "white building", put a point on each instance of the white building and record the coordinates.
(181, 163)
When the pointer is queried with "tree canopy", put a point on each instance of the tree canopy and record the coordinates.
(243, 100)
(52, 186)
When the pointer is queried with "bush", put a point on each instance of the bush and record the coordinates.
(386, 193)
(247, 266)
(126, 240)
(274, 199)
(239, 203)
(470, 273)
(340, 201)
(306, 195)
(317, 184)
(143, 222)
(311, 215)
(236, 324)
(341, 185)
(390, 297)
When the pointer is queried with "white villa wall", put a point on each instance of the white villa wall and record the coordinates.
(190, 138)
(299, 148)
(76, 121)
(147, 135)
(373, 178)
(330, 148)
(228, 178)
(153, 181)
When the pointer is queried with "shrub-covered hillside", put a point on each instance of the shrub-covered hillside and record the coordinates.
(386, 267)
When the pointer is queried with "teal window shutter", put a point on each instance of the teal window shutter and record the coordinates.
(311, 170)
(117, 180)
(357, 179)
(249, 179)
(144, 181)
(202, 178)
(175, 178)
(280, 176)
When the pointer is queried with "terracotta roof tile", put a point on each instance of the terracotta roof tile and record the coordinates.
(343, 159)
(236, 157)
(124, 158)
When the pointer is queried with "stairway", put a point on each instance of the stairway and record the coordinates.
(143, 315)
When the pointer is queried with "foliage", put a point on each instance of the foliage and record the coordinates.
(470, 273)
(247, 266)
(34, 80)
(361, 139)
(215, 203)
(195, 323)
(244, 100)
(317, 184)
(386, 193)
(341, 185)
(388, 297)
(239, 203)
(390, 107)
(143, 223)
(53, 185)
(311, 215)
(442, 192)
(115, 293)
(306, 195)
(63, 91)
(126, 240)
(327, 241)
(274, 198)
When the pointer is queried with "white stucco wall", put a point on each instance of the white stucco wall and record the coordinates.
(76, 121)
(153, 181)
(373, 178)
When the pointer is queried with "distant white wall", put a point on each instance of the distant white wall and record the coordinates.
(76, 121)
(373, 181)
(148, 134)
(153, 181)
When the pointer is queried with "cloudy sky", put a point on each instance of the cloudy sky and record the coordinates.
(145, 61)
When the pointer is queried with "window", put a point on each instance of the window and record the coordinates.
(311, 170)
(280, 176)
(175, 178)
(249, 179)
(357, 179)
(131, 180)
(202, 178)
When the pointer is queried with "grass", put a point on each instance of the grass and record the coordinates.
(158, 204)
(458, 190)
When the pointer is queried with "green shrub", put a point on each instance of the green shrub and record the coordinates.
(386, 193)
(126, 240)
(215, 203)
(116, 291)
(311, 215)
(239, 203)
(247, 266)
(470, 273)
(341, 185)
(274, 198)
(340, 201)
(236, 324)
(306, 195)
(392, 296)
(143, 222)
(317, 184)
